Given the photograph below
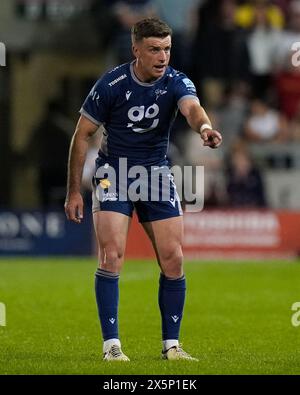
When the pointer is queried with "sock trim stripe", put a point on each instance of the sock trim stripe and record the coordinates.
(107, 274)
(172, 279)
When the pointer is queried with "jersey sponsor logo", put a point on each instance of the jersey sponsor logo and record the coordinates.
(160, 92)
(109, 197)
(128, 94)
(114, 82)
(139, 113)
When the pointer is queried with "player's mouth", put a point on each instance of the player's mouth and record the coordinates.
(160, 67)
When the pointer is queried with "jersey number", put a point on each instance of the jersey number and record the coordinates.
(138, 113)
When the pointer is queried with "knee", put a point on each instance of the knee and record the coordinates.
(111, 258)
(172, 262)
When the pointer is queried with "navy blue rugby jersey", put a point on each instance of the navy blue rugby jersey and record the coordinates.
(137, 116)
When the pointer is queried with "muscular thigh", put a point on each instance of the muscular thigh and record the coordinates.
(166, 236)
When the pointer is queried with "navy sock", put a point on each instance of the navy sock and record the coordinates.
(171, 298)
(107, 296)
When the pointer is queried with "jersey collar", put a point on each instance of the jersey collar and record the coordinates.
(134, 77)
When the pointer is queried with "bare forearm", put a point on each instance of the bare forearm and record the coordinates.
(77, 155)
(197, 118)
(78, 149)
(200, 122)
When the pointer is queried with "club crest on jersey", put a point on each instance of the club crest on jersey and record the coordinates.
(159, 92)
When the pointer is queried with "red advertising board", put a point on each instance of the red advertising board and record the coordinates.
(229, 234)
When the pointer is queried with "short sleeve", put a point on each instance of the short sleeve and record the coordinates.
(96, 105)
(184, 89)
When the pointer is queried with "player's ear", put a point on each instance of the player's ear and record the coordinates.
(135, 50)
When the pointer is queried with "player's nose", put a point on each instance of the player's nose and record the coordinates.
(162, 56)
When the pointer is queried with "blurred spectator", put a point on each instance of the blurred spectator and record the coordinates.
(244, 183)
(287, 84)
(105, 22)
(207, 15)
(182, 17)
(220, 53)
(212, 160)
(246, 14)
(283, 5)
(295, 125)
(231, 115)
(127, 13)
(262, 43)
(48, 150)
(265, 124)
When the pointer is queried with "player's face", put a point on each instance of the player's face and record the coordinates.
(153, 56)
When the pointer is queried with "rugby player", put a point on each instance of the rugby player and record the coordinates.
(136, 104)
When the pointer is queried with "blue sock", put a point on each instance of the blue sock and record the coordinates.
(107, 296)
(171, 298)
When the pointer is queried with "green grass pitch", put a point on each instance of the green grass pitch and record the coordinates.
(237, 318)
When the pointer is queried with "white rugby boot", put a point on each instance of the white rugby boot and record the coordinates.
(176, 353)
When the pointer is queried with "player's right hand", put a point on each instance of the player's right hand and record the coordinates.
(211, 138)
(74, 207)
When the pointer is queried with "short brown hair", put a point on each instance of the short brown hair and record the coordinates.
(150, 27)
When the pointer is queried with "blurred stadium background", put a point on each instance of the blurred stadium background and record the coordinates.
(239, 53)
(240, 56)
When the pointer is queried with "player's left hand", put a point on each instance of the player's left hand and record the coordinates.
(211, 138)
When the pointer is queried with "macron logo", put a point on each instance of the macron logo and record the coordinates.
(122, 77)
(112, 320)
(175, 318)
(173, 202)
